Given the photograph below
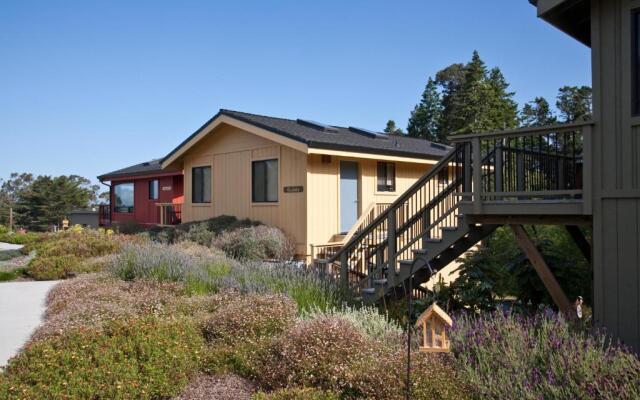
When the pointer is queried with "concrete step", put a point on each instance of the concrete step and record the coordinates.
(380, 282)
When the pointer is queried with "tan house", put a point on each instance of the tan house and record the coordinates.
(316, 182)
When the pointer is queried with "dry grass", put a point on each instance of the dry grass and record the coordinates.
(218, 387)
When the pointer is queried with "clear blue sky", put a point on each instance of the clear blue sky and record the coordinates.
(87, 87)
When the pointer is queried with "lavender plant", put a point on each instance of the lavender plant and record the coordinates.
(508, 356)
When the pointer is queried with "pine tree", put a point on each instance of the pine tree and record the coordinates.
(392, 129)
(537, 113)
(425, 117)
(574, 103)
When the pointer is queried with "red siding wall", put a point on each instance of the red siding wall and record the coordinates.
(145, 211)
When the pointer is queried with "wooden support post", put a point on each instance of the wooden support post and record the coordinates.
(551, 284)
(426, 221)
(582, 242)
(391, 247)
(520, 177)
(344, 271)
(468, 168)
(11, 218)
(498, 168)
(477, 176)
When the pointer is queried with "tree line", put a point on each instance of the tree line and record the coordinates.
(39, 202)
(467, 98)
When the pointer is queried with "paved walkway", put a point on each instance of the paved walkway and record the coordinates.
(21, 309)
(8, 246)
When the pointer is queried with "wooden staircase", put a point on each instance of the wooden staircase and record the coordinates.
(486, 180)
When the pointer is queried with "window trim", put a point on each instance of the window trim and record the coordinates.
(115, 197)
(253, 196)
(156, 183)
(193, 176)
(387, 188)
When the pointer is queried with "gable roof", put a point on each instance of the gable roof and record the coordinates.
(331, 137)
(439, 312)
(152, 167)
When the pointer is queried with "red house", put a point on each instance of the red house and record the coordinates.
(144, 193)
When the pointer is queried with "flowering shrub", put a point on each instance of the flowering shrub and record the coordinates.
(296, 394)
(197, 267)
(256, 243)
(315, 353)
(132, 358)
(506, 356)
(367, 319)
(93, 300)
(251, 317)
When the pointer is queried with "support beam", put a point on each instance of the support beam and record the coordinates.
(529, 249)
(581, 241)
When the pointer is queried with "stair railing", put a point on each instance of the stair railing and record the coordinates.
(416, 216)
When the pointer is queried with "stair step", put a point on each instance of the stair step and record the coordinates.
(420, 251)
(369, 290)
(434, 240)
(449, 228)
(406, 262)
(380, 282)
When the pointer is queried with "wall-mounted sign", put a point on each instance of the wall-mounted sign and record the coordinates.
(166, 188)
(293, 189)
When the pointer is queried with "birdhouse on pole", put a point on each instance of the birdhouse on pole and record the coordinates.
(434, 323)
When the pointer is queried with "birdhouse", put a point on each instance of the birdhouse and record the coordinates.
(434, 323)
(65, 224)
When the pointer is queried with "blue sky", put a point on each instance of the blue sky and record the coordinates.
(87, 87)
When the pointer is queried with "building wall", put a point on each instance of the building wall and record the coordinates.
(616, 182)
(323, 181)
(230, 151)
(145, 211)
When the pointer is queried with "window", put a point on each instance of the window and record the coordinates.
(264, 176)
(386, 177)
(201, 185)
(153, 189)
(124, 198)
(635, 106)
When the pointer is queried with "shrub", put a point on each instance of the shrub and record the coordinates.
(315, 353)
(141, 358)
(53, 267)
(197, 267)
(128, 227)
(367, 319)
(248, 318)
(218, 387)
(11, 275)
(296, 394)
(26, 238)
(256, 243)
(506, 356)
(93, 300)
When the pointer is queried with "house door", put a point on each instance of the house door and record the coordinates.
(349, 188)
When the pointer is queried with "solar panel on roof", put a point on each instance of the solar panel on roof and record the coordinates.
(368, 133)
(317, 125)
(438, 146)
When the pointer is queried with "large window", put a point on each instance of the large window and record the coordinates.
(201, 185)
(264, 177)
(153, 189)
(124, 198)
(635, 106)
(386, 177)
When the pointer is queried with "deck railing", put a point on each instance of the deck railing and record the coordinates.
(104, 215)
(536, 164)
(169, 213)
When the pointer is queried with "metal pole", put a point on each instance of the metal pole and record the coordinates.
(410, 311)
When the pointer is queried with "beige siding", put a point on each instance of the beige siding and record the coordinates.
(230, 151)
(323, 179)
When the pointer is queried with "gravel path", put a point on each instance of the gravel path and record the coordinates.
(22, 305)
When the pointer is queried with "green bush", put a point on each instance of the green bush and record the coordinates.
(296, 394)
(26, 239)
(141, 359)
(53, 267)
(256, 243)
(6, 276)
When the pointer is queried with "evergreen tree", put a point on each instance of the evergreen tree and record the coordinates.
(425, 117)
(392, 129)
(574, 103)
(537, 113)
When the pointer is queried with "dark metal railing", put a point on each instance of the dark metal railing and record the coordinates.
(104, 215)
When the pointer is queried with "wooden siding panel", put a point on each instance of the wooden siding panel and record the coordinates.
(610, 263)
(322, 199)
(628, 267)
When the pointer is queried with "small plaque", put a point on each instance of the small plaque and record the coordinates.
(166, 188)
(293, 189)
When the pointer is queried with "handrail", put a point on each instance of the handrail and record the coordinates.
(371, 209)
(519, 132)
(433, 172)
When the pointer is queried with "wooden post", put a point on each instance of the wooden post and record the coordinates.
(344, 271)
(477, 176)
(391, 247)
(580, 240)
(426, 221)
(551, 284)
(587, 171)
(11, 218)
(467, 168)
(498, 168)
